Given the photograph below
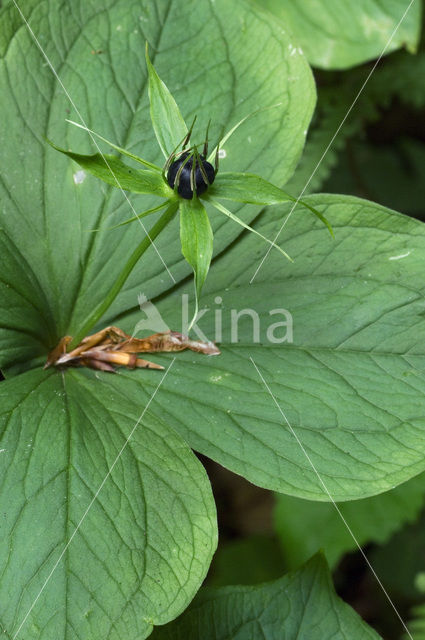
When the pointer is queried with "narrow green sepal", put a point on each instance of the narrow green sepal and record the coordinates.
(148, 212)
(231, 215)
(124, 152)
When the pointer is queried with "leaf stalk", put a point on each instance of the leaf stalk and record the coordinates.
(104, 305)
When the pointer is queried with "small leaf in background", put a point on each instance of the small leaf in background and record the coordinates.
(304, 526)
(167, 121)
(370, 157)
(196, 239)
(416, 623)
(399, 560)
(393, 174)
(302, 604)
(249, 560)
(336, 34)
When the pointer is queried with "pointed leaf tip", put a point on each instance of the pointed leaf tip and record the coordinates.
(167, 121)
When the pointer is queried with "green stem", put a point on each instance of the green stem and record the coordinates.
(103, 306)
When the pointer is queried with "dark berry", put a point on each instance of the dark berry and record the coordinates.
(184, 188)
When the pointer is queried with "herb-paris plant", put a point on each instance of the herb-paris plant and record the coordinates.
(350, 383)
(183, 183)
(89, 553)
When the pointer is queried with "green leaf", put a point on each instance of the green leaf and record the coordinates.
(114, 172)
(336, 34)
(145, 522)
(196, 239)
(348, 377)
(167, 121)
(304, 526)
(302, 604)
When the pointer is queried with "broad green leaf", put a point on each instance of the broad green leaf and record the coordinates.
(302, 605)
(304, 526)
(196, 239)
(47, 204)
(336, 34)
(349, 377)
(146, 532)
(116, 173)
(167, 121)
